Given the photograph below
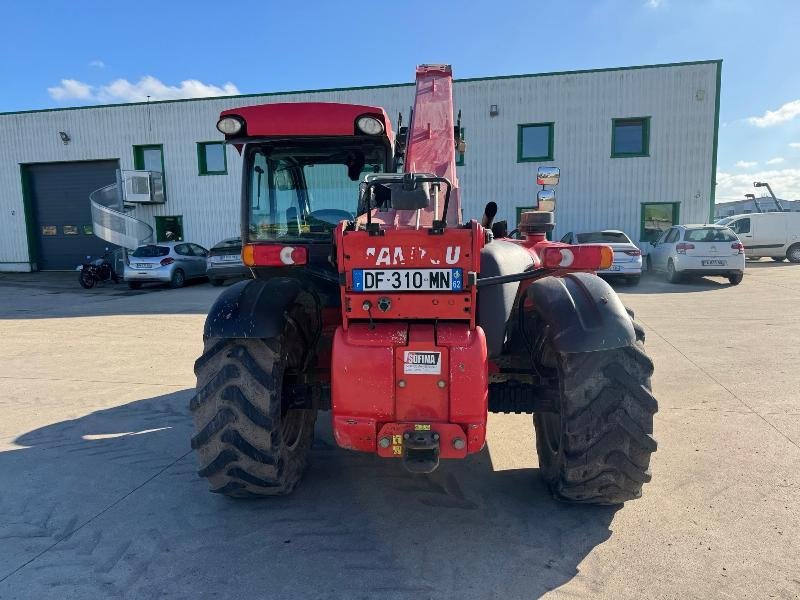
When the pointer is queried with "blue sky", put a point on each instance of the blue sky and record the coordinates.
(68, 54)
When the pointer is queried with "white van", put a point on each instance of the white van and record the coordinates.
(772, 234)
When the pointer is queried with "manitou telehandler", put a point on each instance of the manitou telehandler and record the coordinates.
(373, 299)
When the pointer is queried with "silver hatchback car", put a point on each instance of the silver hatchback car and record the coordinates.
(165, 262)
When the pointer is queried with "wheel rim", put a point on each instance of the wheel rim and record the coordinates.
(178, 278)
(795, 254)
(671, 269)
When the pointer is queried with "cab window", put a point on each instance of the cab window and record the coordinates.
(672, 237)
(740, 226)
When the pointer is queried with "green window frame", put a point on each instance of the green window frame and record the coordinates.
(460, 155)
(550, 135)
(645, 122)
(676, 218)
(138, 155)
(202, 159)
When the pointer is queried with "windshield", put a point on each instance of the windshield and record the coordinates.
(724, 221)
(304, 192)
(603, 237)
(150, 251)
(710, 234)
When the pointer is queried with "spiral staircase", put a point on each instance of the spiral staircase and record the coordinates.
(112, 204)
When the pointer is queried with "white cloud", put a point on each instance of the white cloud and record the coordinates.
(794, 145)
(654, 3)
(97, 64)
(746, 164)
(122, 90)
(785, 183)
(775, 161)
(787, 112)
(70, 89)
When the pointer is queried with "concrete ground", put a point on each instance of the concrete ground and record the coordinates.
(99, 496)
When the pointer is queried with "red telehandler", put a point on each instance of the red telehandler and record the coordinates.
(373, 299)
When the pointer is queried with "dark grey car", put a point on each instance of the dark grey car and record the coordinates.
(224, 261)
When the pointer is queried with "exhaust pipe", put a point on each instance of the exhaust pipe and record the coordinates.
(489, 214)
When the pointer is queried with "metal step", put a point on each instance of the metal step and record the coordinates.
(519, 397)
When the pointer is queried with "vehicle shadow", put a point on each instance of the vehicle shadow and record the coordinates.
(110, 504)
(656, 283)
(56, 295)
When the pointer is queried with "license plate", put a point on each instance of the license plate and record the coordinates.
(714, 263)
(144, 265)
(230, 258)
(403, 280)
(615, 267)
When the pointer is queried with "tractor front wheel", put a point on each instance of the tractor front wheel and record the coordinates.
(249, 442)
(596, 449)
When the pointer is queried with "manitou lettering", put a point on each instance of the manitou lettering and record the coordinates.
(452, 255)
(422, 363)
(391, 256)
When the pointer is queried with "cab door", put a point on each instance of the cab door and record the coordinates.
(744, 229)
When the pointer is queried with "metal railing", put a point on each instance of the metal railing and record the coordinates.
(112, 224)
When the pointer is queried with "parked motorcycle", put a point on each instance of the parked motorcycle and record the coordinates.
(97, 271)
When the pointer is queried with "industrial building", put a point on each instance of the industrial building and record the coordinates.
(636, 146)
(754, 205)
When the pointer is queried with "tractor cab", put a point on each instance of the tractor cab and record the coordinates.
(303, 165)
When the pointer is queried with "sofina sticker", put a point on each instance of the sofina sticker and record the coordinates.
(422, 363)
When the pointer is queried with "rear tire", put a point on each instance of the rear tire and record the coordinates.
(672, 275)
(596, 449)
(735, 278)
(216, 282)
(178, 279)
(793, 253)
(86, 279)
(248, 443)
(634, 280)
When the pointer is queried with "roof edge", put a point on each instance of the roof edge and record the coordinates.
(365, 87)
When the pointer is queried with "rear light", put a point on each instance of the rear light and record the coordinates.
(683, 247)
(738, 246)
(272, 255)
(167, 261)
(578, 258)
(633, 252)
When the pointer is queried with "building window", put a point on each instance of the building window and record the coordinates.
(169, 228)
(630, 137)
(460, 155)
(534, 142)
(148, 158)
(211, 158)
(657, 217)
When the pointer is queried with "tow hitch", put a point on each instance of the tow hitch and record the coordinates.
(420, 451)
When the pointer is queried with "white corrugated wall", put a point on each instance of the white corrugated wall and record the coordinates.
(597, 191)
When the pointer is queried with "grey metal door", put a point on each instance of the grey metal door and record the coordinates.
(59, 194)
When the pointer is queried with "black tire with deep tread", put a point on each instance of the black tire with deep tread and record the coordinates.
(240, 436)
(605, 425)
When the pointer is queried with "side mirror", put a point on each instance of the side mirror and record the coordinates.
(546, 200)
(548, 175)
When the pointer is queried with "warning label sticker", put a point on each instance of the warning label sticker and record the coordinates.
(422, 363)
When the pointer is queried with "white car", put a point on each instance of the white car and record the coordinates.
(627, 256)
(685, 250)
(773, 234)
